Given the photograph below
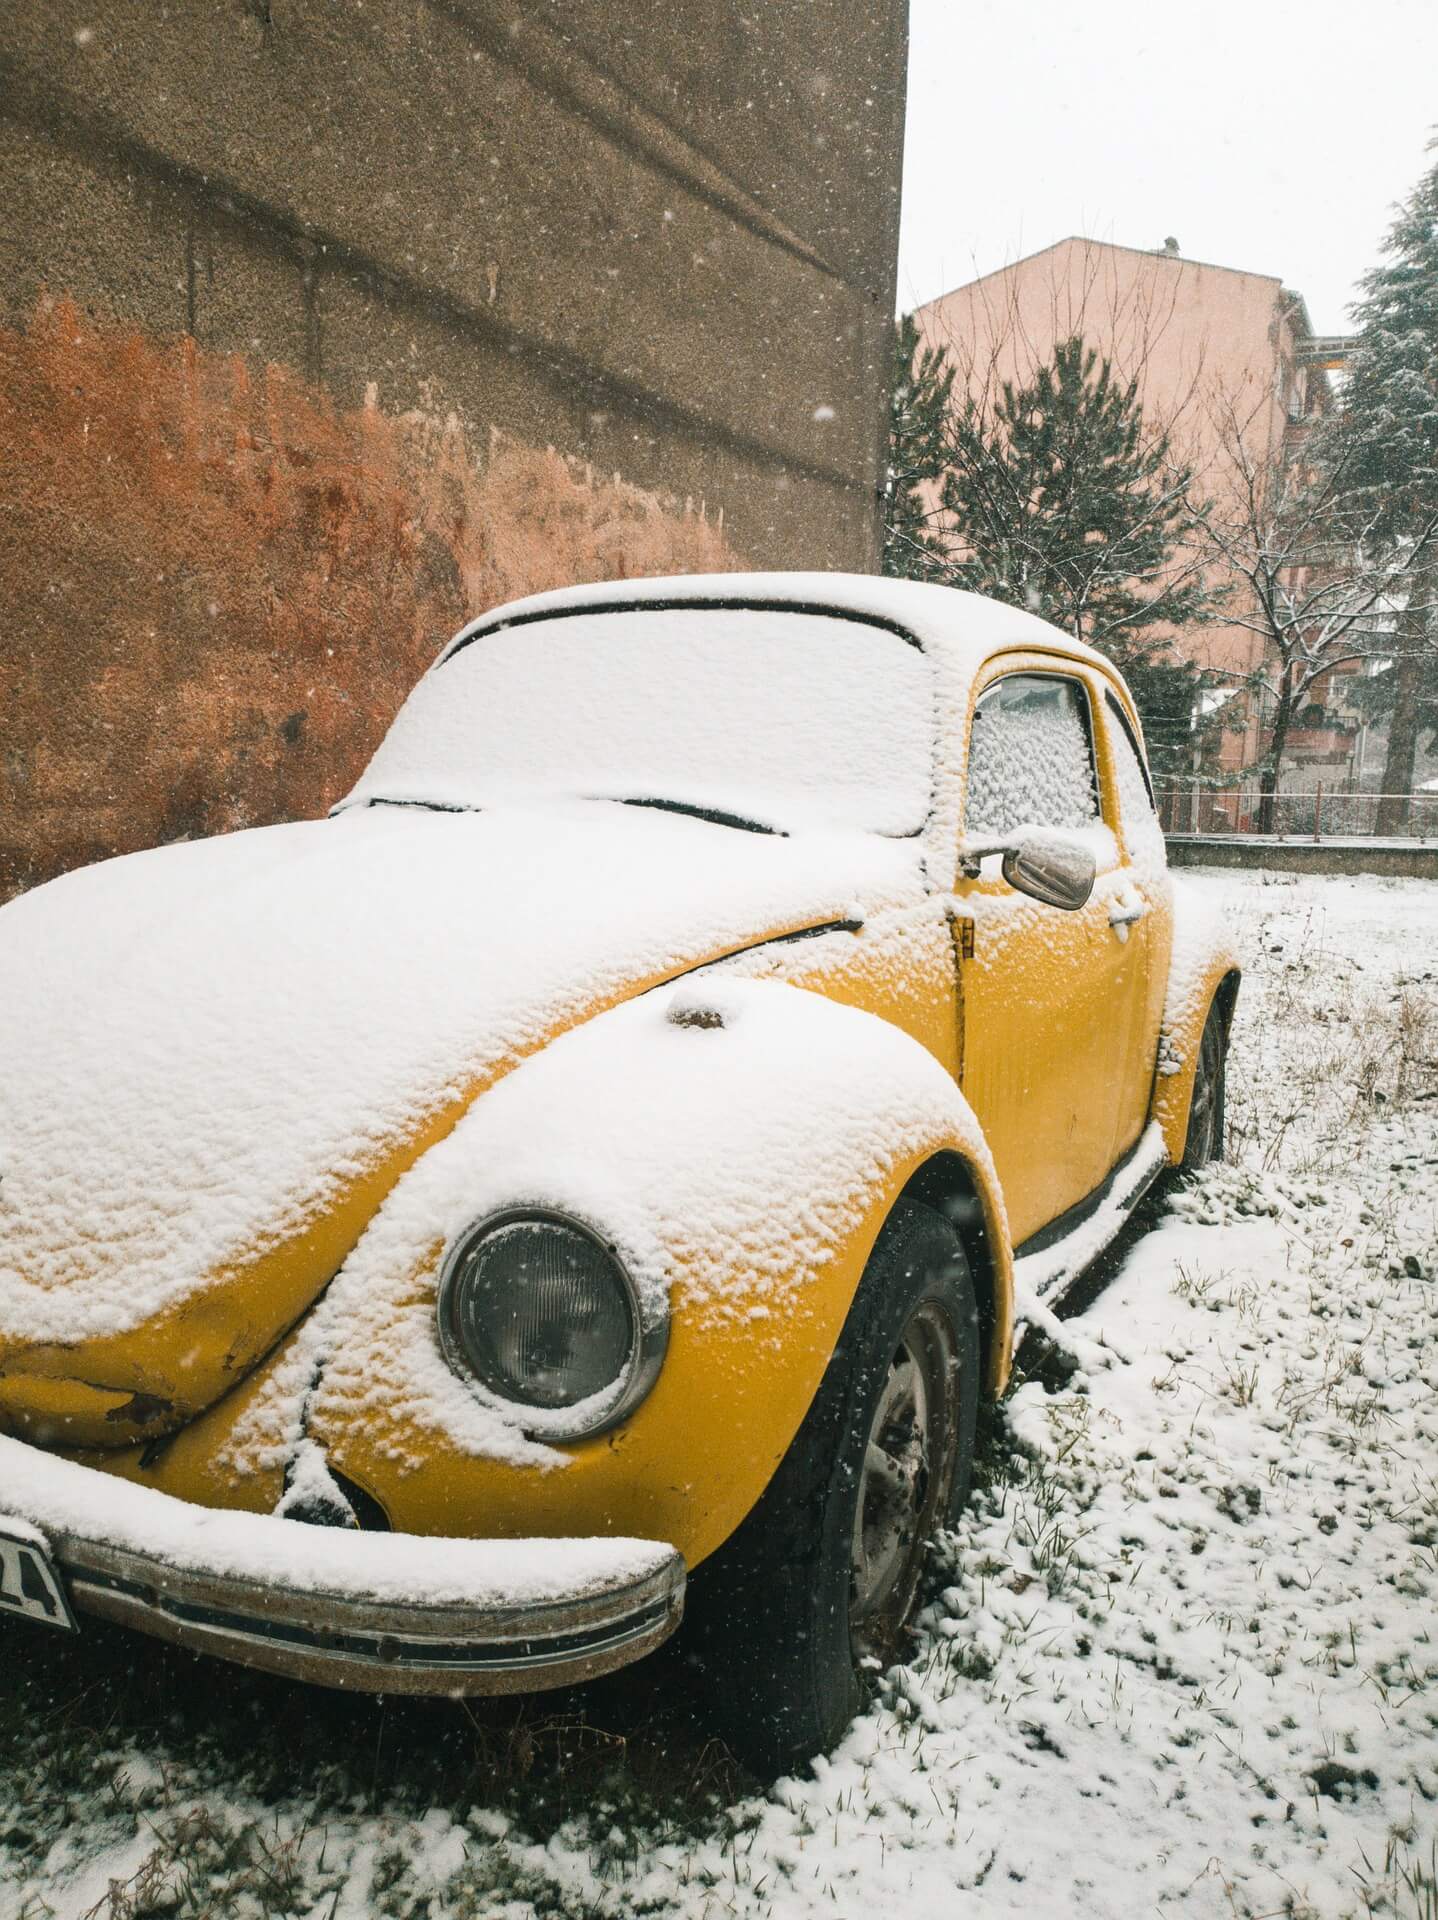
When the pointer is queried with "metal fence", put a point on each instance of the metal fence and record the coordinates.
(1317, 813)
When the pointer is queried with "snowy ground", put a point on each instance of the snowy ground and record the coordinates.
(1182, 1656)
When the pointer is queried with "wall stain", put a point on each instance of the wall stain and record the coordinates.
(217, 586)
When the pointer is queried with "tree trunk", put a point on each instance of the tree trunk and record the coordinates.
(1414, 637)
(1273, 759)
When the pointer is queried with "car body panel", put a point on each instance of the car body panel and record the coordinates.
(760, 1266)
(198, 1462)
(254, 1112)
(912, 1019)
(898, 965)
(160, 1374)
(1204, 972)
(1041, 1066)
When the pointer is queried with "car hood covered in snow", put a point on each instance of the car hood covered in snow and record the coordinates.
(218, 1057)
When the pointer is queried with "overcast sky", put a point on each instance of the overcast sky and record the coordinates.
(1260, 134)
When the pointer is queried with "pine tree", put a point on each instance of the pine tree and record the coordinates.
(1062, 499)
(918, 426)
(1386, 436)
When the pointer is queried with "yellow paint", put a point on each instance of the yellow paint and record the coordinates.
(899, 968)
(1151, 937)
(199, 1462)
(1168, 1096)
(1173, 1093)
(686, 1467)
(1060, 1019)
(1055, 1048)
(695, 1457)
(187, 1356)
(52, 1411)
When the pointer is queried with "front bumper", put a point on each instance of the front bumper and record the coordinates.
(379, 1612)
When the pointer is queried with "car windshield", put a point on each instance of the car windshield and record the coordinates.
(778, 720)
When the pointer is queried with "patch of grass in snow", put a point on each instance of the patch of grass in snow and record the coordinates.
(83, 1716)
(203, 1863)
(269, 1798)
(1404, 1882)
(1365, 1049)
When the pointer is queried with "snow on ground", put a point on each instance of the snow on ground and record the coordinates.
(1182, 1655)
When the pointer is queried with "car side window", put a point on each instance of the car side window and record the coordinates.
(1142, 833)
(1031, 757)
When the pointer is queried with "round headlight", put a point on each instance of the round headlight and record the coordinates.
(540, 1313)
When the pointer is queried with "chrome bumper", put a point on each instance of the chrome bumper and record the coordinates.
(328, 1605)
(345, 1642)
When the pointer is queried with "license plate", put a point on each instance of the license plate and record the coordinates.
(30, 1583)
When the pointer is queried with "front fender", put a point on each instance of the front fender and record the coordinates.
(742, 1157)
(1203, 958)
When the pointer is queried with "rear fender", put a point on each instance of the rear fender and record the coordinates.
(1204, 967)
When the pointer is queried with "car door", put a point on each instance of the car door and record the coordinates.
(1049, 997)
(1149, 899)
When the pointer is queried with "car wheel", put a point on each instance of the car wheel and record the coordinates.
(1204, 1140)
(819, 1583)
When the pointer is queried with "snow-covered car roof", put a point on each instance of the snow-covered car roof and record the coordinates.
(963, 628)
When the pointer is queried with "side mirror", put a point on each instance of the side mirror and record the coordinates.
(1051, 869)
(1046, 866)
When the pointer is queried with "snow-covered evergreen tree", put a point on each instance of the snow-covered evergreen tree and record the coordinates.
(1386, 434)
(1059, 496)
(1064, 502)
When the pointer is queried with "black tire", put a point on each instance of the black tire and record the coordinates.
(821, 1579)
(1204, 1140)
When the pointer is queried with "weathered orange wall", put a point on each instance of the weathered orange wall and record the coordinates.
(216, 585)
(659, 237)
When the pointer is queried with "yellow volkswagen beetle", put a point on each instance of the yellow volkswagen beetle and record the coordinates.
(605, 1152)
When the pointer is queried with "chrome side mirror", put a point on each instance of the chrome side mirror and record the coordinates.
(1052, 869)
(1046, 866)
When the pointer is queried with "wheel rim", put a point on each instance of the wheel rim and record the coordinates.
(905, 1478)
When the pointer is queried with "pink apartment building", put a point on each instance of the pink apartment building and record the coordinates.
(1202, 340)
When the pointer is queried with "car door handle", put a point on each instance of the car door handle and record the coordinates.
(1120, 916)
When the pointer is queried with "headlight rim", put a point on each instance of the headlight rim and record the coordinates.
(646, 1355)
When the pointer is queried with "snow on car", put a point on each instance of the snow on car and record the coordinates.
(605, 1145)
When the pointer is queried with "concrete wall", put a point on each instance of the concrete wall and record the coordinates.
(1415, 860)
(297, 296)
